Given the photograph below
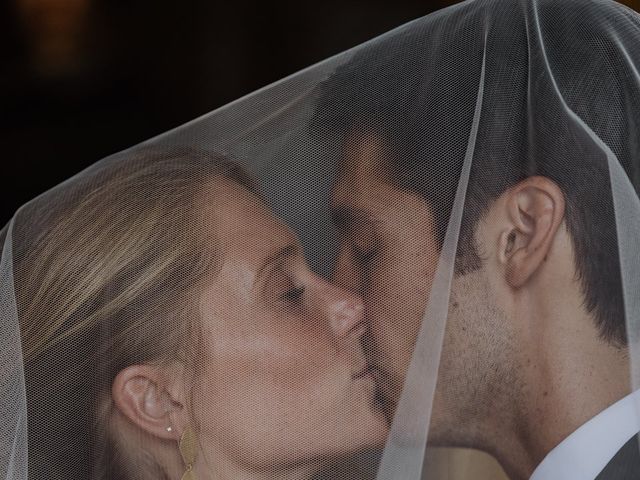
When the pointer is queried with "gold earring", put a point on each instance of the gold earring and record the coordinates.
(188, 446)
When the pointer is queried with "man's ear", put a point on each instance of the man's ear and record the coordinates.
(534, 211)
(145, 396)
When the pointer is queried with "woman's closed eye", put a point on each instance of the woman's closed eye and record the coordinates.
(285, 288)
(293, 294)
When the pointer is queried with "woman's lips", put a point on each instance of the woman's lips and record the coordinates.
(369, 377)
(365, 371)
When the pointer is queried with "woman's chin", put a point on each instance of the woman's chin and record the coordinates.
(370, 434)
(368, 419)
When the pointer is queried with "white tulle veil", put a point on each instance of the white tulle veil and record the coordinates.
(469, 101)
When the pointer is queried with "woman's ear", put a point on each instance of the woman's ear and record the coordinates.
(145, 396)
(534, 212)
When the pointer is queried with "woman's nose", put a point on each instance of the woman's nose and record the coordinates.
(346, 313)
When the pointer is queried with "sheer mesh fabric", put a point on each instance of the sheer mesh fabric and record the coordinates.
(423, 245)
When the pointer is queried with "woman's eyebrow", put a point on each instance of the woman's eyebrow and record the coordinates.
(290, 250)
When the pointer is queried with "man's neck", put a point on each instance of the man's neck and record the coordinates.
(570, 376)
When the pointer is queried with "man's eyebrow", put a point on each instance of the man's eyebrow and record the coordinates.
(289, 251)
(344, 217)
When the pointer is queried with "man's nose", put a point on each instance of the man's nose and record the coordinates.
(345, 274)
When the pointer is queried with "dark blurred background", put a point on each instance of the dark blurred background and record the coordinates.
(81, 79)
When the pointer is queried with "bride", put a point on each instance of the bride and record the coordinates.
(171, 329)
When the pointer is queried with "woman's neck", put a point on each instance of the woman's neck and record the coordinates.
(223, 469)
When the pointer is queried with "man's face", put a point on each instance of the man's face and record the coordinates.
(388, 253)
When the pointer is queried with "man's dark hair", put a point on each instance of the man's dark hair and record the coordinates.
(417, 89)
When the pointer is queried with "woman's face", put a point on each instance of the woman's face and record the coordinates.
(283, 379)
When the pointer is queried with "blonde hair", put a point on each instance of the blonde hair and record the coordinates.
(103, 269)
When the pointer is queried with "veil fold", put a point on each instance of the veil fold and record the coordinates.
(450, 112)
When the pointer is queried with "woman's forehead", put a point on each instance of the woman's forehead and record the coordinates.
(243, 225)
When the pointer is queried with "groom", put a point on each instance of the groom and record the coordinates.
(535, 364)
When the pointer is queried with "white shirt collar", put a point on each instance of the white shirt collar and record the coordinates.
(585, 453)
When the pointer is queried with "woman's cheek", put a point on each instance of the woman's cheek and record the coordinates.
(287, 358)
